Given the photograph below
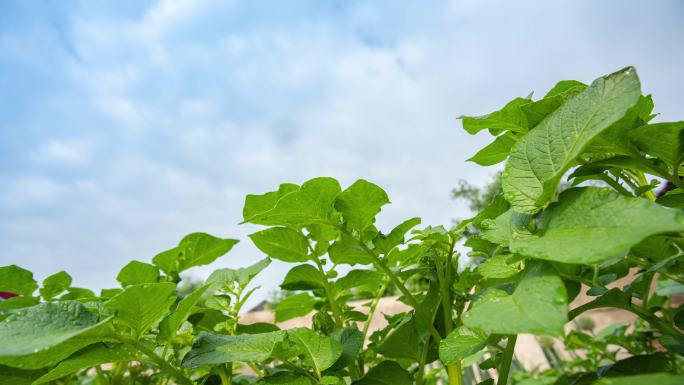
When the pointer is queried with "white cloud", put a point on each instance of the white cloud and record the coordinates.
(184, 120)
(67, 152)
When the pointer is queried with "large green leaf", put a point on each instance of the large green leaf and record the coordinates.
(347, 250)
(14, 376)
(386, 373)
(498, 266)
(591, 224)
(509, 118)
(141, 307)
(459, 344)
(55, 284)
(643, 379)
(320, 352)
(170, 324)
(91, 356)
(17, 280)
(495, 152)
(661, 140)
(563, 91)
(256, 204)
(401, 342)
(360, 203)
(541, 157)
(193, 250)
(537, 306)
(213, 349)
(294, 306)
(136, 272)
(351, 340)
(360, 280)
(44, 334)
(303, 277)
(312, 203)
(282, 243)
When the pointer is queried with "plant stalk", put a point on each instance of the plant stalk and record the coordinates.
(506, 360)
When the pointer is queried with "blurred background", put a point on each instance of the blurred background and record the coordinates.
(125, 125)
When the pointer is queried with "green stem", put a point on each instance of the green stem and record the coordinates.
(101, 379)
(163, 364)
(506, 360)
(336, 312)
(225, 372)
(454, 370)
(421, 362)
(300, 371)
(373, 306)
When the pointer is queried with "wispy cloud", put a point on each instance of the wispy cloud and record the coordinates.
(124, 129)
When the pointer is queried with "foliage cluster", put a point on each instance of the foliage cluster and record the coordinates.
(536, 250)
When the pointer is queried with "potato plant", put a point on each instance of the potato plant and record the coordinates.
(531, 251)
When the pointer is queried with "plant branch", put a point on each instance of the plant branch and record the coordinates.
(162, 363)
(506, 360)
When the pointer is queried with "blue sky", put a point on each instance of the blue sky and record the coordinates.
(126, 125)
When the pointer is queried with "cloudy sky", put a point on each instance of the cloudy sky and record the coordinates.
(125, 125)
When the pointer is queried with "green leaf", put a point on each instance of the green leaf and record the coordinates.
(294, 306)
(369, 280)
(561, 93)
(589, 225)
(45, 334)
(170, 324)
(497, 267)
(498, 206)
(91, 356)
(346, 250)
(312, 203)
(386, 373)
(672, 199)
(612, 298)
(55, 285)
(495, 152)
(643, 379)
(537, 306)
(303, 277)
(284, 378)
(16, 280)
(384, 244)
(351, 340)
(459, 344)
(500, 229)
(616, 139)
(14, 376)
(18, 303)
(282, 243)
(360, 203)
(256, 328)
(141, 307)
(401, 342)
(661, 140)
(213, 349)
(257, 204)
(541, 157)
(193, 250)
(509, 118)
(668, 287)
(78, 293)
(135, 273)
(320, 352)
(227, 277)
